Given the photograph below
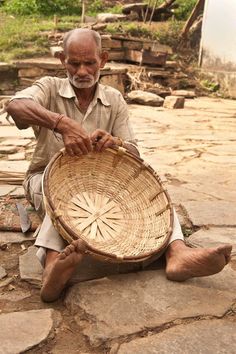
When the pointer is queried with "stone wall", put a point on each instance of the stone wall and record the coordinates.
(22, 73)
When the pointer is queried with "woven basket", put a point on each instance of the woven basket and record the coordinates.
(112, 200)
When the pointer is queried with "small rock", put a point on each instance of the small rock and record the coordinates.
(3, 273)
(3, 246)
(107, 17)
(183, 93)
(173, 102)
(145, 98)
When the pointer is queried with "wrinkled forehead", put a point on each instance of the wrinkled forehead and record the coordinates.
(83, 42)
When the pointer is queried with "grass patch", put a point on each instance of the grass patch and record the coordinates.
(23, 37)
(164, 32)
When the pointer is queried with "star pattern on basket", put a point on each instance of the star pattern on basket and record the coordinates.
(95, 215)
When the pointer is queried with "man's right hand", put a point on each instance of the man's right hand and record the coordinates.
(75, 138)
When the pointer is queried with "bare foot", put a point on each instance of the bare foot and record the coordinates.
(183, 262)
(59, 269)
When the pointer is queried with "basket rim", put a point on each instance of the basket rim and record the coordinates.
(93, 250)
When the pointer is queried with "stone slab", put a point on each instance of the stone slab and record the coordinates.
(7, 149)
(3, 272)
(6, 189)
(17, 157)
(14, 166)
(15, 237)
(12, 131)
(214, 236)
(15, 296)
(217, 213)
(18, 192)
(15, 142)
(135, 302)
(21, 331)
(30, 267)
(205, 337)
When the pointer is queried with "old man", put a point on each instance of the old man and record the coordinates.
(73, 113)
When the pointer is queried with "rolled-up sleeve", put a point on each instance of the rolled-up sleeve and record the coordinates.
(38, 92)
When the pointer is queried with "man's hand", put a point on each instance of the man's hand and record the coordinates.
(75, 138)
(103, 140)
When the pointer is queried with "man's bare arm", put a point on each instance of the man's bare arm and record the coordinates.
(26, 112)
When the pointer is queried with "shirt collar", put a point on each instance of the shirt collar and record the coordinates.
(67, 91)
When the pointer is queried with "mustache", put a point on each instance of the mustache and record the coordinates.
(79, 78)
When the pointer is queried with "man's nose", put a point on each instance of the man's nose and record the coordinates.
(82, 70)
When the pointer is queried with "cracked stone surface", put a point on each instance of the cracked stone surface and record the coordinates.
(3, 272)
(205, 213)
(6, 189)
(204, 337)
(134, 302)
(14, 166)
(30, 267)
(214, 236)
(194, 152)
(11, 131)
(14, 237)
(21, 331)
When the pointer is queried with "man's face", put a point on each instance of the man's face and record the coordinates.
(83, 62)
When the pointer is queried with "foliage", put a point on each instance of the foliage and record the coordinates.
(129, 28)
(184, 9)
(170, 35)
(23, 37)
(116, 9)
(210, 85)
(45, 7)
(95, 7)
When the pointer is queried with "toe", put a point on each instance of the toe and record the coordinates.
(81, 246)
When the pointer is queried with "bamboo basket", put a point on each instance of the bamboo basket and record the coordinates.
(112, 200)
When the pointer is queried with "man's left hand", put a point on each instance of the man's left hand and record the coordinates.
(103, 140)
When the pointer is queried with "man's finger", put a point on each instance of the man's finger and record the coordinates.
(101, 142)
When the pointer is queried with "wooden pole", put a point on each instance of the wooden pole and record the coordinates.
(83, 11)
(146, 13)
(153, 10)
(199, 7)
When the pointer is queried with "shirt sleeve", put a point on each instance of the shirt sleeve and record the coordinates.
(122, 126)
(38, 92)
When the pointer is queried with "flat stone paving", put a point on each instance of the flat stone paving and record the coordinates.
(193, 150)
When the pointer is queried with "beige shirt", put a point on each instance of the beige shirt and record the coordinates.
(107, 111)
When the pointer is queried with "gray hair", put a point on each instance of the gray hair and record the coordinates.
(76, 33)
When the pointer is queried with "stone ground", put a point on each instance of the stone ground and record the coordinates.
(194, 151)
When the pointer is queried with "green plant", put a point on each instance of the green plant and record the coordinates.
(93, 7)
(116, 9)
(20, 7)
(184, 9)
(45, 7)
(170, 35)
(129, 28)
(210, 85)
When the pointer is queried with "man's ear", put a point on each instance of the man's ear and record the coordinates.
(104, 58)
(62, 57)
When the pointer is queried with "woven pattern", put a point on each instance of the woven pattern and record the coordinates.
(112, 200)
